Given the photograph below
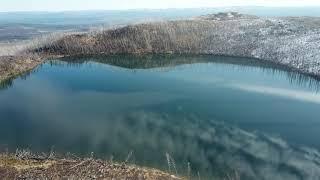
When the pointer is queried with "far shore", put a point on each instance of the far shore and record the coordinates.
(289, 41)
(13, 66)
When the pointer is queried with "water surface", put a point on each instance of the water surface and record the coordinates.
(219, 114)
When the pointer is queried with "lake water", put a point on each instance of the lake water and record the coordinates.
(219, 114)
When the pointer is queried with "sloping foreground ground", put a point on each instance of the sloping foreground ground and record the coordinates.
(12, 167)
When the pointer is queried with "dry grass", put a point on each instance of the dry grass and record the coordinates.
(36, 167)
(280, 40)
(288, 41)
(21, 165)
(11, 66)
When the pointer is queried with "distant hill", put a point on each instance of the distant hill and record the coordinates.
(16, 26)
(292, 41)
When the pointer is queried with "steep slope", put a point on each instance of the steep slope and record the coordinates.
(292, 41)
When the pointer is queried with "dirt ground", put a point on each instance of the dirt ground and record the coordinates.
(14, 167)
(11, 66)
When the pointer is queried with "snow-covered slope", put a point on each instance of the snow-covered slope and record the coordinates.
(292, 41)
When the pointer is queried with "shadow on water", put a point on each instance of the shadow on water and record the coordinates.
(170, 62)
(5, 84)
(8, 83)
(154, 124)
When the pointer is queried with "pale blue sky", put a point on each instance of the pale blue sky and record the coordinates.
(59, 5)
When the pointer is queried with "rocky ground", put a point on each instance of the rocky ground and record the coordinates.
(11, 66)
(31, 167)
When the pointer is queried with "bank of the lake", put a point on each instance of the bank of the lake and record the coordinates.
(290, 41)
(177, 105)
(12, 66)
(27, 166)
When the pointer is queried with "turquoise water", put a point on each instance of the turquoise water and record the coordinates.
(196, 109)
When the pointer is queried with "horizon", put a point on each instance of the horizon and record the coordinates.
(154, 9)
(125, 5)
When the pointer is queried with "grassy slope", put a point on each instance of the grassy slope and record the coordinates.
(290, 41)
(13, 167)
(11, 66)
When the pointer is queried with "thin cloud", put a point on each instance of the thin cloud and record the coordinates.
(59, 5)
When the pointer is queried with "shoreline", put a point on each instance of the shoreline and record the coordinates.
(12, 67)
(28, 166)
(289, 41)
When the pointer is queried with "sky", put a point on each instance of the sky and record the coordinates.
(61, 5)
